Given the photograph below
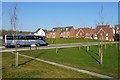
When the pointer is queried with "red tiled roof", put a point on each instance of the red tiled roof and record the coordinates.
(64, 29)
(85, 30)
(106, 28)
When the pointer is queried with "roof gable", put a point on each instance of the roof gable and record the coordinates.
(80, 29)
(100, 30)
(37, 30)
(106, 28)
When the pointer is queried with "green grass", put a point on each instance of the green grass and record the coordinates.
(29, 68)
(68, 40)
(82, 59)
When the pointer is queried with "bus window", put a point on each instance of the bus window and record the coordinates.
(36, 37)
(9, 37)
(28, 37)
(21, 37)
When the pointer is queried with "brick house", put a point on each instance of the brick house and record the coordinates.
(49, 34)
(55, 32)
(84, 33)
(80, 33)
(68, 32)
(104, 32)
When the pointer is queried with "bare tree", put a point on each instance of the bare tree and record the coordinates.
(56, 45)
(101, 18)
(13, 22)
(101, 21)
(87, 37)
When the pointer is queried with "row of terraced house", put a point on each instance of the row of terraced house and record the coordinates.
(104, 32)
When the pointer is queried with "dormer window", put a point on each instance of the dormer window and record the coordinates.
(53, 29)
(66, 29)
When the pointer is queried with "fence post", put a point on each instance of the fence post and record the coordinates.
(99, 51)
(56, 50)
(105, 46)
(56, 45)
(16, 59)
(116, 44)
(87, 48)
(101, 60)
(101, 54)
(79, 47)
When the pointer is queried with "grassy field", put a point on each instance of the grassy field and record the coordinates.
(82, 59)
(68, 40)
(29, 68)
(74, 57)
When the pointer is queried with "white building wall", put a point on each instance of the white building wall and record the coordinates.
(40, 32)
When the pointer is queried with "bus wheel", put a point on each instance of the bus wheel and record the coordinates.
(18, 45)
(38, 44)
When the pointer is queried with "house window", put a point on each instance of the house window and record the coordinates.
(80, 33)
(61, 29)
(101, 34)
(106, 38)
(106, 34)
(87, 35)
(66, 29)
